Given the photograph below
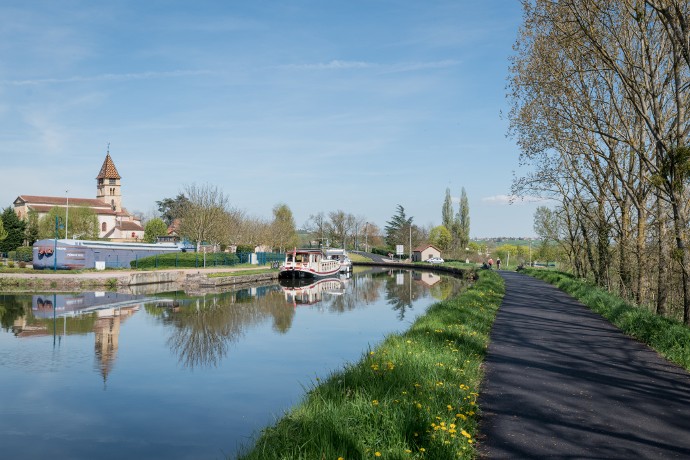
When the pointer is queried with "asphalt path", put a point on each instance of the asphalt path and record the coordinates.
(562, 382)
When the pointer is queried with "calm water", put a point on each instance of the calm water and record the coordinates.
(175, 375)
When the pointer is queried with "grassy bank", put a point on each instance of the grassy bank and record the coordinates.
(411, 397)
(670, 338)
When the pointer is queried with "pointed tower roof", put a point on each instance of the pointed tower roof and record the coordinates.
(108, 170)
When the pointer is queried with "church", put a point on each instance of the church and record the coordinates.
(114, 222)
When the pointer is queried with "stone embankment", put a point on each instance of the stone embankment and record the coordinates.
(127, 280)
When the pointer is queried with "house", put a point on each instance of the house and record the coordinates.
(114, 222)
(424, 252)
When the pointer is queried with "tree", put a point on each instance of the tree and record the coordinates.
(14, 228)
(204, 214)
(172, 208)
(440, 237)
(154, 228)
(31, 232)
(318, 226)
(341, 225)
(3, 232)
(462, 220)
(284, 233)
(398, 228)
(83, 223)
(447, 211)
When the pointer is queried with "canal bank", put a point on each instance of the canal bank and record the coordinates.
(413, 396)
(129, 279)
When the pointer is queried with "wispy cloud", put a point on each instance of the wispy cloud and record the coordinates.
(106, 77)
(337, 64)
(514, 199)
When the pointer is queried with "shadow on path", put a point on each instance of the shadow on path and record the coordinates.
(562, 382)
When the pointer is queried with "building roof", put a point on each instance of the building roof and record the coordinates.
(108, 170)
(33, 200)
(424, 246)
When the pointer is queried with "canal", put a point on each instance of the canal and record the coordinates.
(185, 375)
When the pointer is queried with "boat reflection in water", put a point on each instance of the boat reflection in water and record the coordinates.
(305, 291)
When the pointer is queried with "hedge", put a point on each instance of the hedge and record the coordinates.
(185, 260)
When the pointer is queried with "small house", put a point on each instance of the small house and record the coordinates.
(424, 252)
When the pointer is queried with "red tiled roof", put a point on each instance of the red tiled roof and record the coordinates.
(32, 200)
(46, 208)
(108, 170)
(130, 226)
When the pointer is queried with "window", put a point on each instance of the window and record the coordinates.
(103, 227)
(111, 181)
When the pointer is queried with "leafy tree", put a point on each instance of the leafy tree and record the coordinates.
(462, 221)
(14, 228)
(83, 223)
(32, 232)
(447, 211)
(440, 237)
(153, 229)
(283, 228)
(398, 228)
(3, 232)
(172, 208)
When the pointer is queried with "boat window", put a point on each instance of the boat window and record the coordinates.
(289, 257)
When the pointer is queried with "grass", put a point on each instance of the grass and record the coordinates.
(668, 337)
(257, 271)
(411, 397)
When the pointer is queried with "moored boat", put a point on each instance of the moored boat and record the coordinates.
(341, 256)
(306, 263)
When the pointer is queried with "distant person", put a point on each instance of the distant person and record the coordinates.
(491, 263)
(498, 264)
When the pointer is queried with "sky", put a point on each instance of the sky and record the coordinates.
(357, 106)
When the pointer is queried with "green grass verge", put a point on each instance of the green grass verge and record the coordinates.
(258, 271)
(411, 397)
(669, 338)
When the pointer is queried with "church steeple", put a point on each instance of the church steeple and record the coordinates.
(108, 184)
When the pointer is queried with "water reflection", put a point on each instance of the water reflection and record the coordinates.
(202, 328)
(246, 353)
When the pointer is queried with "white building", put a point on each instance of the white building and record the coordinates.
(114, 222)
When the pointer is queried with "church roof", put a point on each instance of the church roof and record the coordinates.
(34, 200)
(108, 170)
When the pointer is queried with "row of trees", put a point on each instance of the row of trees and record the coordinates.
(601, 99)
(203, 214)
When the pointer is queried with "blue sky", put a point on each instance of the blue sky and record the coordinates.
(356, 106)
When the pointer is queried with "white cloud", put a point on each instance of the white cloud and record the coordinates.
(106, 77)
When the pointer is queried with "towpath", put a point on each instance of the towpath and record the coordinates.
(562, 382)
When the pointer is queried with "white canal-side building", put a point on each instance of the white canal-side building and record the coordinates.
(114, 222)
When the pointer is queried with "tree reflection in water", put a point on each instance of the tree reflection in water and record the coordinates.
(205, 327)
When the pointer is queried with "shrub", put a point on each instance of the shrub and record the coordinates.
(24, 253)
(244, 248)
(185, 260)
(10, 263)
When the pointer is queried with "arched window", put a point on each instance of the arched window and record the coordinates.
(103, 227)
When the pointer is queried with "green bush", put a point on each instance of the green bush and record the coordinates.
(245, 248)
(185, 260)
(24, 253)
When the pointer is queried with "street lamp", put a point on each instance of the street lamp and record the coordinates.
(57, 226)
(366, 236)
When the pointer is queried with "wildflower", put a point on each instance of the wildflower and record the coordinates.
(375, 402)
(378, 454)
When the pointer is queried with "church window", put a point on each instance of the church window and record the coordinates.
(111, 181)
(103, 227)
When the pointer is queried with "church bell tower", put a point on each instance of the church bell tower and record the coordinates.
(108, 184)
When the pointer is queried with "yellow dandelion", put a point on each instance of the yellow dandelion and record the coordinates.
(375, 402)
(378, 454)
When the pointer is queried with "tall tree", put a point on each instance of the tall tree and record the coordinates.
(462, 220)
(283, 228)
(32, 231)
(83, 223)
(172, 208)
(204, 214)
(447, 211)
(398, 228)
(14, 228)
